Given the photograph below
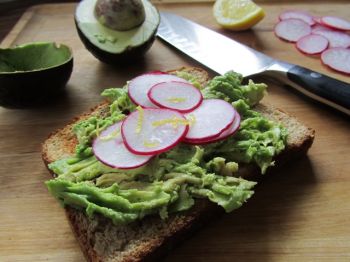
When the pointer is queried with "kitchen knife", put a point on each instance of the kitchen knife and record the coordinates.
(221, 54)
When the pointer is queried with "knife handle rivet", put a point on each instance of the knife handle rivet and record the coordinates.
(315, 75)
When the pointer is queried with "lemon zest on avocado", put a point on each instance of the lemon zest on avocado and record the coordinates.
(150, 144)
(139, 119)
(98, 129)
(176, 99)
(110, 136)
(191, 119)
(175, 122)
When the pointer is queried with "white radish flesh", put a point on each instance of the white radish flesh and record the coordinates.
(292, 29)
(109, 148)
(228, 132)
(301, 15)
(152, 131)
(337, 59)
(335, 38)
(139, 87)
(210, 119)
(179, 96)
(319, 27)
(312, 44)
(336, 22)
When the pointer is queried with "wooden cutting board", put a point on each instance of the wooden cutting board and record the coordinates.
(300, 214)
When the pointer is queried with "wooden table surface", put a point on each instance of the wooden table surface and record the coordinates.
(299, 214)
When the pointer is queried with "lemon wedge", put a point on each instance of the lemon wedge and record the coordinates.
(237, 15)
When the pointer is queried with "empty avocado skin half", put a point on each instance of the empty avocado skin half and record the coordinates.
(113, 46)
(33, 73)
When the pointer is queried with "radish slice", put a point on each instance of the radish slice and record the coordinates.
(292, 29)
(139, 87)
(336, 22)
(180, 96)
(317, 20)
(337, 59)
(153, 130)
(319, 27)
(312, 44)
(109, 148)
(301, 15)
(210, 119)
(228, 132)
(335, 38)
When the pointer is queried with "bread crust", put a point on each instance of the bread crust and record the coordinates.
(153, 237)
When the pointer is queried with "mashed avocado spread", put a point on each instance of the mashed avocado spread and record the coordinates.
(172, 181)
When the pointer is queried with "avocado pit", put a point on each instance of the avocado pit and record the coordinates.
(120, 14)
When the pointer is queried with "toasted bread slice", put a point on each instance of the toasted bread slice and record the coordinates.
(151, 237)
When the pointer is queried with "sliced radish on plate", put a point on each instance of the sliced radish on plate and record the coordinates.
(336, 22)
(319, 27)
(139, 87)
(301, 15)
(210, 119)
(312, 44)
(292, 29)
(180, 96)
(225, 134)
(317, 20)
(337, 59)
(109, 148)
(335, 38)
(153, 131)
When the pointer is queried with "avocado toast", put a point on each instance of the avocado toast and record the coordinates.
(148, 236)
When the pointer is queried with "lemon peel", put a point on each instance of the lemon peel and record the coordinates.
(237, 15)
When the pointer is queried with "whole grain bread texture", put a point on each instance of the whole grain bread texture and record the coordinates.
(152, 237)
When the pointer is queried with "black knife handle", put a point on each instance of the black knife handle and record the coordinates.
(324, 89)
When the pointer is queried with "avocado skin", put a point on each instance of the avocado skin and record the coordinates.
(128, 56)
(27, 89)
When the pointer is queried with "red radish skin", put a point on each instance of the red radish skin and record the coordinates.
(180, 96)
(140, 85)
(336, 23)
(109, 148)
(157, 72)
(335, 38)
(210, 119)
(292, 29)
(312, 44)
(317, 20)
(295, 14)
(337, 59)
(228, 132)
(153, 130)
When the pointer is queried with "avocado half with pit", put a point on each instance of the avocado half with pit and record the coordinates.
(117, 31)
(33, 73)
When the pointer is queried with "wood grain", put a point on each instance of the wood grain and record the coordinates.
(300, 214)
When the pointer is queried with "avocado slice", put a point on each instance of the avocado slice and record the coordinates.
(114, 31)
(33, 73)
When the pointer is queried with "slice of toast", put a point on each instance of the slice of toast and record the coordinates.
(152, 237)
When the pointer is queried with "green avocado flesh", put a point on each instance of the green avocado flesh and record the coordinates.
(173, 180)
(33, 57)
(114, 41)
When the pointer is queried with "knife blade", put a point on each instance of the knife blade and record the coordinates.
(222, 54)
